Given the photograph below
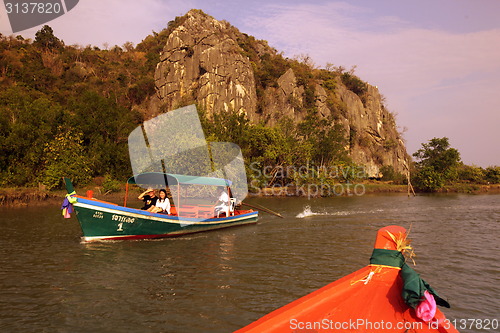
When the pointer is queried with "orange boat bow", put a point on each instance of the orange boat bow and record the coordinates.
(368, 300)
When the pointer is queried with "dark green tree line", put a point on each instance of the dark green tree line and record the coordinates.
(55, 94)
(438, 164)
(79, 98)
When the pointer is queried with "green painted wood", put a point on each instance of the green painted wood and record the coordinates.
(102, 222)
(69, 185)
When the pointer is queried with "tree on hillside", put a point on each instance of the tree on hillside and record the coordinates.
(65, 157)
(492, 174)
(437, 163)
(45, 38)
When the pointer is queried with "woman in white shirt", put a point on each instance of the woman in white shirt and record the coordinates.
(162, 204)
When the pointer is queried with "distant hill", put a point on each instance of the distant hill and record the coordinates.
(213, 64)
(69, 109)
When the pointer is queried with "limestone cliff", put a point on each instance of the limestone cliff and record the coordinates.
(211, 63)
(201, 61)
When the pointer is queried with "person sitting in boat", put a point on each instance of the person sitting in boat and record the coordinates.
(149, 197)
(224, 203)
(162, 204)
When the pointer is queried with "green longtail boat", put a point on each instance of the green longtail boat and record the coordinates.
(170, 152)
(102, 220)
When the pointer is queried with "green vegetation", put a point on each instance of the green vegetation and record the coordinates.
(315, 143)
(439, 166)
(389, 174)
(64, 155)
(355, 84)
(478, 175)
(66, 110)
(310, 144)
(269, 66)
(111, 185)
(45, 39)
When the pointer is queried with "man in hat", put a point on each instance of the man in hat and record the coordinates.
(149, 197)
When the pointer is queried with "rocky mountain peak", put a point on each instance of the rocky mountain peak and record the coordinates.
(202, 62)
(213, 64)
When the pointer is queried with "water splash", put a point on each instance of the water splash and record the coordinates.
(308, 212)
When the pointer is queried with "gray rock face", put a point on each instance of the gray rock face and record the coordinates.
(202, 62)
(377, 141)
(282, 101)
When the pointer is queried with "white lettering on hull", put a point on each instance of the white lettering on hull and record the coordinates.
(125, 219)
(98, 215)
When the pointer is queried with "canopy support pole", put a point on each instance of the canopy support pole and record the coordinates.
(179, 199)
(126, 195)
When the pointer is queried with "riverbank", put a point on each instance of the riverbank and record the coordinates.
(25, 196)
(369, 187)
(13, 197)
(22, 196)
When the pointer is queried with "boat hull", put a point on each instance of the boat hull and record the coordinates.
(106, 221)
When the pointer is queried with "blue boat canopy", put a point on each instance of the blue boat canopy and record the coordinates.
(171, 149)
(150, 179)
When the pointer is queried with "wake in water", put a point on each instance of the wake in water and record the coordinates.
(307, 212)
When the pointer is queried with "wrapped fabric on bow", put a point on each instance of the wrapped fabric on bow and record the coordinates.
(416, 293)
(386, 291)
(67, 205)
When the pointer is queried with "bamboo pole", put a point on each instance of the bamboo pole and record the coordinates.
(178, 199)
(264, 209)
(408, 180)
(126, 195)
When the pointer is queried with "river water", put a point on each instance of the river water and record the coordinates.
(222, 280)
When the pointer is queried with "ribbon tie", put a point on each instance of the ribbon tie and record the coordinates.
(414, 287)
(67, 205)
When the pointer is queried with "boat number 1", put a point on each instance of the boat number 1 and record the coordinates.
(120, 227)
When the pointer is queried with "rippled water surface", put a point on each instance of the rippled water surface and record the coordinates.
(222, 280)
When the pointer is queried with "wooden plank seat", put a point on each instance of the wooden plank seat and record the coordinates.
(188, 211)
(201, 211)
(205, 211)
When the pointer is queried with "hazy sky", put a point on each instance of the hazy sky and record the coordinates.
(437, 62)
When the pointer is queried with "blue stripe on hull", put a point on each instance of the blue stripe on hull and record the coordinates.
(162, 216)
(100, 220)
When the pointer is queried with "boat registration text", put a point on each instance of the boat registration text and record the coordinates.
(125, 219)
